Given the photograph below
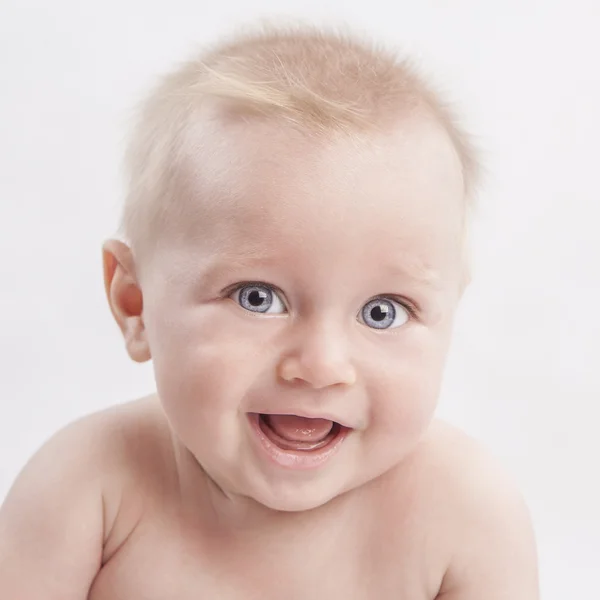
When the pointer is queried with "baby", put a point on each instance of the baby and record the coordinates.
(294, 256)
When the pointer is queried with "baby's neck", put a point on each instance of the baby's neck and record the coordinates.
(208, 504)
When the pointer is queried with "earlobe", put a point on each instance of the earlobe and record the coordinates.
(125, 298)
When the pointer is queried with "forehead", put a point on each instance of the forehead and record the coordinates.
(258, 187)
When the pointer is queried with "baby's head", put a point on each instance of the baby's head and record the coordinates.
(296, 225)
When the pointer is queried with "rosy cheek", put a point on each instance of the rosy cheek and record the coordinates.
(407, 394)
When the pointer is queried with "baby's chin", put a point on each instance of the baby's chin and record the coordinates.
(296, 500)
(298, 496)
(279, 495)
(284, 493)
(288, 498)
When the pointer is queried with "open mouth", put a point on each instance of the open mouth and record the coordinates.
(297, 442)
(290, 432)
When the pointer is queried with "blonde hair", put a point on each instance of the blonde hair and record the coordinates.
(320, 81)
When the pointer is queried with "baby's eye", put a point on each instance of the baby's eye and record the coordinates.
(384, 313)
(258, 298)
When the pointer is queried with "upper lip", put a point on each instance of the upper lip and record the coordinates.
(308, 415)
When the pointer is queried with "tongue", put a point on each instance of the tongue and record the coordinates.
(299, 429)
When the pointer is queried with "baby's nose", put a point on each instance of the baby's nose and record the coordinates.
(319, 358)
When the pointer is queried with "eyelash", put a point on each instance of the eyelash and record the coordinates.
(411, 307)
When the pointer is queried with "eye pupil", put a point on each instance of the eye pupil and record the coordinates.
(257, 297)
(379, 312)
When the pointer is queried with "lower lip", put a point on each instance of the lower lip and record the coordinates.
(300, 460)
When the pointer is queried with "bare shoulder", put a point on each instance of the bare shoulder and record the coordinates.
(486, 524)
(92, 446)
(117, 458)
(133, 436)
(472, 478)
(130, 449)
(78, 495)
(119, 443)
(465, 467)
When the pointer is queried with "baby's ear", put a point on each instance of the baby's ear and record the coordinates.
(125, 297)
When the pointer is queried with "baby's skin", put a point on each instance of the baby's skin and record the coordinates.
(298, 326)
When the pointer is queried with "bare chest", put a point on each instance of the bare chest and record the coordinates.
(162, 560)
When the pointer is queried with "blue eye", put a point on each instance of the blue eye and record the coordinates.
(383, 313)
(258, 298)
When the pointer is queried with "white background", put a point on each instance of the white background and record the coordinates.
(523, 372)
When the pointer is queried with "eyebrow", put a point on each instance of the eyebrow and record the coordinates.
(225, 267)
(409, 268)
(414, 269)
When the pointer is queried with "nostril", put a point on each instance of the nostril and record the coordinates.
(317, 374)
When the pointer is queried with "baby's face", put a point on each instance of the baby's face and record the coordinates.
(321, 282)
